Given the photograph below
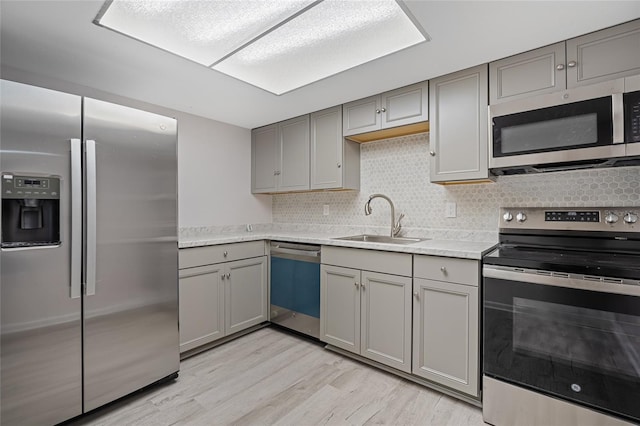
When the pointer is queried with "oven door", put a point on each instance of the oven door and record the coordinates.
(567, 127)
(575, 339)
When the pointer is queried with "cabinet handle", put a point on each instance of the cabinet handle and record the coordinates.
(560, 67)
(415, 294)
(362, 285)
(384, 110)
(443, 269)
(572, 64)
(229, 275)
(225, 254)
(222, 276)
(432, 153)
(339, 165)
(356, 284)
(377, 111)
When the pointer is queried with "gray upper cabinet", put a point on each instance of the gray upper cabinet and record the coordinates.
(264, 158)
(399, 107)
(596, 57)
(532, 73)
(335, 161)
(604, 55)
(280, 156)
(459, 121)
(293, 173)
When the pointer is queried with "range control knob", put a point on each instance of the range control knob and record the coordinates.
(630, 218)
(611, 218)
(507, 216)
(521, 217)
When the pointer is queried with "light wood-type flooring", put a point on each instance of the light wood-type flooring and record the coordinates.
(270, 377)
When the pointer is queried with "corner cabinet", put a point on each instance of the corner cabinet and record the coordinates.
(363, 310)
(280, 156)
(592, 58)
(446, 322)
(401, 107)
(458, 110)
(335, 161)
(222, 290)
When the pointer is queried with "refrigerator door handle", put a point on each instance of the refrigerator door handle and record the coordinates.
(91, 207)
(76, 218)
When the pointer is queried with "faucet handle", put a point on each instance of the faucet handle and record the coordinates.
(398, 226)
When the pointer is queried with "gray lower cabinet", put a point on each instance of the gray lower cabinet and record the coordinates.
(246, 301)
(367, 312)
(446, 322)
(335, 161)
(458, 122)
(219, 295)
(592, 58)
(280, 156)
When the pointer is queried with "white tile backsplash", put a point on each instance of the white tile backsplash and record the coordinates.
(399, 168)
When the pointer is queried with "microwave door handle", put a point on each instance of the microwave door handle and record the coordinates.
(76, 218)
(90, 265)
(618, 117)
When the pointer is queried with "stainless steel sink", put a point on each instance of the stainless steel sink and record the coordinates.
(381, 239)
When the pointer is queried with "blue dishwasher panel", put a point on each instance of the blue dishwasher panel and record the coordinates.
(295, 285)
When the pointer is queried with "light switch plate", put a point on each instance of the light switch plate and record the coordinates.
(450, 210)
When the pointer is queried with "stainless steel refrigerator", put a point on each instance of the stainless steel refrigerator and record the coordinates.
(89, 256)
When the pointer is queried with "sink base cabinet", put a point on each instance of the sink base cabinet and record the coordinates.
(367, 313)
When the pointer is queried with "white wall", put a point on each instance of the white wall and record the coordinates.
(214, 160)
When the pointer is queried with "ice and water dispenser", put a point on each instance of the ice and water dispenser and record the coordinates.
(30, 211)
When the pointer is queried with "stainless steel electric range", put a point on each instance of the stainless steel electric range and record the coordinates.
(561, 318)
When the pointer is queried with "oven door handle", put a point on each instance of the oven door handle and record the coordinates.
(559, 279)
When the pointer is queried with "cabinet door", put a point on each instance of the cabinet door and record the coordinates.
(386, 319)
(264, 158)
(201, 306)
(326, 148)
(445, 334)
(293, 174)
(406, 105)
(532, 73)
(340, 307)
(245, 293)
(459, 120)
(604, 55)
(361, 116)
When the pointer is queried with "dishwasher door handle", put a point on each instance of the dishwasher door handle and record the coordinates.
(308, 253)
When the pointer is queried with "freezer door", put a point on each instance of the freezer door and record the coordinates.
(41, 359)
(131, 304)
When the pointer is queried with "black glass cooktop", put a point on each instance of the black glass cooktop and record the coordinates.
(607, 264)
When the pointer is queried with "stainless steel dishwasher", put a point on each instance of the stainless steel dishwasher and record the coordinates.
(295, 287)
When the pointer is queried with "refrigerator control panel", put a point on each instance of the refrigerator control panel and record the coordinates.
(20, 187)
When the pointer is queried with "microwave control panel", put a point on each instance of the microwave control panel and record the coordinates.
(632, 117)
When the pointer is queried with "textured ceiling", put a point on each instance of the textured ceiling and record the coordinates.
(57, 39)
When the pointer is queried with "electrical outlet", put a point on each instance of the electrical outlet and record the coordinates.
(450, 210)
(325, 210)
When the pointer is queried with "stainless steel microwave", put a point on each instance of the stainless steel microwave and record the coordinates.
(577, 128)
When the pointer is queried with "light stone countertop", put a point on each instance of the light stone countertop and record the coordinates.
(464, 247)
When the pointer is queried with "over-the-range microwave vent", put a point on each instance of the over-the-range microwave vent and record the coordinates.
(567, 166)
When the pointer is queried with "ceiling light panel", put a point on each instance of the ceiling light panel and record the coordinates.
(202, 31)
(329, 38)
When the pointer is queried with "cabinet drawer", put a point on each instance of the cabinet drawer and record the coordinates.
(198, 256)
(368, 260)
(462, 271)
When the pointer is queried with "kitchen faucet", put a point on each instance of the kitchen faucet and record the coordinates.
(395, 226)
